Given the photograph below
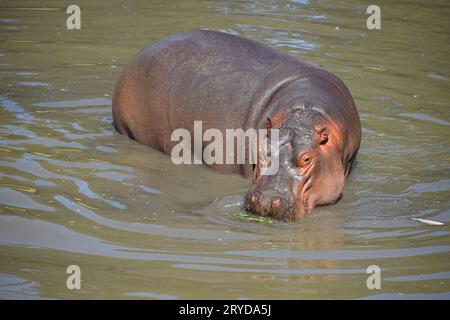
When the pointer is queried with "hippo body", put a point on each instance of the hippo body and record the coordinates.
(230, 82)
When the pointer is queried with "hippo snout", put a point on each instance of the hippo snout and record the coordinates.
(268, 204)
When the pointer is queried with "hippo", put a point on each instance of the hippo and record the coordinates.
(227, 81)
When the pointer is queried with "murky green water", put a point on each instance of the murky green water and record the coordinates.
(74, 192)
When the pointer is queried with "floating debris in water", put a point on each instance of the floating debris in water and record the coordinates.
(376, 68)
(430, 222)
(252, 218)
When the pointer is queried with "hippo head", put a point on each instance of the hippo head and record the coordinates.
(311, 170)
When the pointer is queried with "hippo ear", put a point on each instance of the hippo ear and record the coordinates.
(274, 121)
(321, 135)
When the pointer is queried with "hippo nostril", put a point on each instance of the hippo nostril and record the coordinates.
(276, 203)
(251, 200)
(253, 197)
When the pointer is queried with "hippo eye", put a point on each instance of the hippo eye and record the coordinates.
(304, 160)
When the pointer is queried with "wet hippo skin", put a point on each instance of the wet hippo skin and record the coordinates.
(229, 82)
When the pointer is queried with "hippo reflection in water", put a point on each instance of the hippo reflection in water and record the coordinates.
(229, 82)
